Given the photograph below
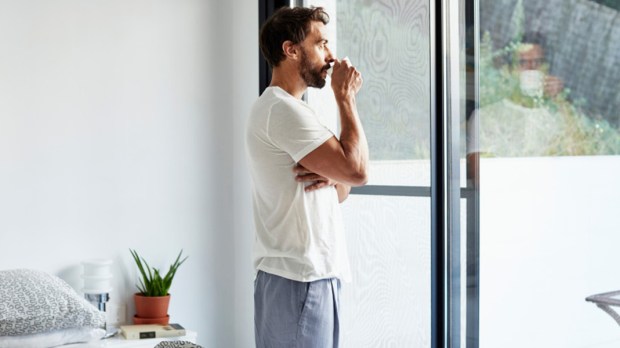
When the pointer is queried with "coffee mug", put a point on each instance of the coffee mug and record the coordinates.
(331, 68)
(532, 83)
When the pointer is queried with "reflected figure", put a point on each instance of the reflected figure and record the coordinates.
(521, 124)
(534, 78)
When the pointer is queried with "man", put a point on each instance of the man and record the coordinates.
(300, 173)
(530, 57)
(521, 124)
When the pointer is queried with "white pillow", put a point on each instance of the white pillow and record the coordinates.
(52, 338)
(34, 302)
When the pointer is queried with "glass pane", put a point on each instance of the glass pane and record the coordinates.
(548, 79)
(546, 131)
(389, 43)
(388, 302)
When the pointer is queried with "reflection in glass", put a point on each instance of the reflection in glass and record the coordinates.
(547, 133)
(547, 89)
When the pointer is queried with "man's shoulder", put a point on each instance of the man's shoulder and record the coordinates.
(272, 98)
(282, 107)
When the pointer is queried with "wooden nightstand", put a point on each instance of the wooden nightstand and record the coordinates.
(119, 341)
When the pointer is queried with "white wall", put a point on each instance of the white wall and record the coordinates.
(245, 91)
(119, 128)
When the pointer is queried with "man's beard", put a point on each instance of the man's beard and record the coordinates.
(311, 77)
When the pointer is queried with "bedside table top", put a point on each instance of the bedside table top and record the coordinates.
(119, 341)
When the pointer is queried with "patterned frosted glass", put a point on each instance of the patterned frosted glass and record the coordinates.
(388, 302)
(389, 42)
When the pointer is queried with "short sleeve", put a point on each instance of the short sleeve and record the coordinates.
(296, 129)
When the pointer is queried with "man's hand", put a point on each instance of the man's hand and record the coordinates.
(304, 175)
(346, 80)
(553, 85)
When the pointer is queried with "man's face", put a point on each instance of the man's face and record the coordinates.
(315, 56)
(530, 57)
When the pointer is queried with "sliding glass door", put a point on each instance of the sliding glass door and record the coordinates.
(406, 265)
(490, 216)
(545, 135)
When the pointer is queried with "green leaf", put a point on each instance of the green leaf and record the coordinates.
(151, 282)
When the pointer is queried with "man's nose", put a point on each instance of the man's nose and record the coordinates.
(329, 57)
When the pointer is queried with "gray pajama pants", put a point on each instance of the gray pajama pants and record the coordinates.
(292, 314)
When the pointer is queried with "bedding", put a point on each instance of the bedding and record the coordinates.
(52, 338)
(34, 302)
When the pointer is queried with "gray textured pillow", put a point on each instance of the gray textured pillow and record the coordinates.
(34, 302)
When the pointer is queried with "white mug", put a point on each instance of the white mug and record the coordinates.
(331, 68)
(532, 82)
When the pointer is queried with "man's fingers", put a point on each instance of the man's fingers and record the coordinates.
(309, 177)
(315, 186)
(299, 169)
(317, 181)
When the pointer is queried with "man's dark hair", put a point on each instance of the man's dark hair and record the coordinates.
(287, 23)
(534, 38)
(529, 37)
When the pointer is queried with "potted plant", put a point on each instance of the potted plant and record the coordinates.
(153, 298)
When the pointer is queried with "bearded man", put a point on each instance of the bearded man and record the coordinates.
(301, 172)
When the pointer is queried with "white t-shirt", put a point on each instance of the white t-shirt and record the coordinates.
(506, 129)
(299, 235)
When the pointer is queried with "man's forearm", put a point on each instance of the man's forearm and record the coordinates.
(343, 159)
(352, 136)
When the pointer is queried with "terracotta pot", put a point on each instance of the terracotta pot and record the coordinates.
(141, 321)
(151, 306)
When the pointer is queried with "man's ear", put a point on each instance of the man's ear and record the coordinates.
(290, 49)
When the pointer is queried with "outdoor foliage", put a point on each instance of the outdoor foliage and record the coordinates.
(580, 134)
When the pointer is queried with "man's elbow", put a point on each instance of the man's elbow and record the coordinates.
(359, 178)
